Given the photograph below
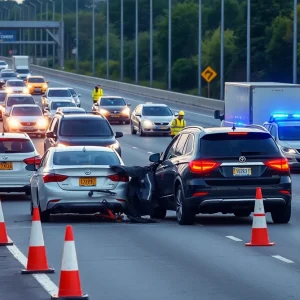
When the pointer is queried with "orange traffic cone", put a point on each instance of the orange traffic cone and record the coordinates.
(37, 258)
(260, 236)
(4, 239)
(69, 283)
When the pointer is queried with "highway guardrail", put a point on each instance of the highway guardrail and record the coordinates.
(208, 103)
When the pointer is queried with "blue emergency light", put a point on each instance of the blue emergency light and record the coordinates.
(284, 117)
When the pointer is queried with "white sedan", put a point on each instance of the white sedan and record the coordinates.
(78, 179)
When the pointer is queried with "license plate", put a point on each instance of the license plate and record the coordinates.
(6, 165)
(242, 172)
(38, 90)
(115, 116)
(88, 181)
(163, 127)
(27, 128)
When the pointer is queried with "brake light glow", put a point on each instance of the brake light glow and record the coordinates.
(119, 178)
(36, 160)
(54, 178)
(200, 194)
(203, 166)
(237, 133)
(285, 192)
(280, 164)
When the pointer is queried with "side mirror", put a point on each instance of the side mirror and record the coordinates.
(217, 115)
(96, 104)
(46, 108)
(128, 104)
(50, 134)
(44, 95)
(79, 95)
(154, 157)
(176, 114)
(118, 134)
(138, 115)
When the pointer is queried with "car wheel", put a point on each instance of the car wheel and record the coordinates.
(133, 131)
(158, 213)
(242, 214)
(283, 215)
(183, 214)
(141, 132)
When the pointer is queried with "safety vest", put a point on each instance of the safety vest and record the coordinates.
(177, 125)
(97, 95)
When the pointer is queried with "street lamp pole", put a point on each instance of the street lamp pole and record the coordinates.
(77, 35)
(41, 31)
(136, 41)
(20, 46)
(35, 34)
(122, 42)
(28, 31)
(107, 39)
(47, 46)
(53, 47)
(93, 38)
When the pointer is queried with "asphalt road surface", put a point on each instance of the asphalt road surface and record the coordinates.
(162, 261)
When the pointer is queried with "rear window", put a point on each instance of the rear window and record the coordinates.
(20, 100)
(55, 105)
(79, 158)
(15, 83)
(36, 80)
(156, 111)
(2, 97)
(26, 111)
(23, 71)
(2, 63)
(59, 93)
(223, 144)
(85, 128)
(15, 146)
(289, 133)
(9, 74)
(112, 102)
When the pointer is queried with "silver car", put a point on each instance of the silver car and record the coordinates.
(26, 118)
(55, 94)
(150, 118)
(75, 96)
(16, 86)
(23, 72)
(18, 157)
(78, 179)
(69, 110)
(52, 107)
(3, 65)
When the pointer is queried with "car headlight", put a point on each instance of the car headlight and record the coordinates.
(288, 150)
(45, 86)
(114, 146)
(42, 123)
(9, 90)
(61, 145)
(29, 86)
(26, 91)
(73, 101)
(14, 123)
(103, 111)
(126, 111)
(147, 123)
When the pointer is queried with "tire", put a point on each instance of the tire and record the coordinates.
(242, 214)
(183, 214)
(282, 216)
(141, 133)
(159, 213)
(133, 131)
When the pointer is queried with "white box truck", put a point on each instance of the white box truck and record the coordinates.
(20, 64)
(254, 102)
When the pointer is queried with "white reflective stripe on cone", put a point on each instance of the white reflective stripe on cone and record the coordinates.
(1, 213)
(36, 235)
(259, 222)
(259, 207)
(69, 258)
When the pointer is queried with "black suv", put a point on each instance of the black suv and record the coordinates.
(81, 129)
(215, 170)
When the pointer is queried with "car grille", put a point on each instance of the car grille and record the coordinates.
(161, 123)
(114, 112)
(28, 123)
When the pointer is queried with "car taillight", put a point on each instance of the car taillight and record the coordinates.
(237, 133)
(117, 177)
(203, 166)
(54, 178)
(36, 160)
(280, 164)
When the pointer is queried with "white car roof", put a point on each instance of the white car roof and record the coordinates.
(154, 104)
(117, 97)
(15, 80)
(70, 108)
(57, 88)
(26, 105)
(14, 135)
(57, 99)
(20, 95)
(80, 148)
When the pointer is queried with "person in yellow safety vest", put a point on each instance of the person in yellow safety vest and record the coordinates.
(178, 124)
(97, 93)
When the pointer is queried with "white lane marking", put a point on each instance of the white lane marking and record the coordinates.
(135, 100)
(234, 238)
(49, 286)
(283, 259)
(134, 147)
(150, 152)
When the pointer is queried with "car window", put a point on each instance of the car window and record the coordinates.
(189, 145)
(23, 71)
(36, 80)
(251, 143)
(59, 93)
(78, 158)
(289, 133)
(2, 97)
(9, 74)
(112, 102)
(153, 111)
(8, 145)
(26, 111)
(181, 143)
(56, 104)
(86, 127)
(273, 131)
(15, 83)
(19, 100)
(171, 149)
(2, 63)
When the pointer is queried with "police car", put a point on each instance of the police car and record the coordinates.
(285, 129)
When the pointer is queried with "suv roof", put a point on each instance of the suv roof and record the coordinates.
(108, 97)
(57, 88)
(82, 116)
(15, 135)
(20, 95)
(154, 104)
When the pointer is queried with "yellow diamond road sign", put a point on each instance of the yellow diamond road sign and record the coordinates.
(209, 74)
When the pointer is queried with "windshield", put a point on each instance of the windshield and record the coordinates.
(15, 83)
(79, 158)
(289, 133)
(19, 100)
(55, 105)
(59, 93)
(9, 74)
(23, 71)
(156, 111)
(2, 63)
(36, 80)
(26, 111)
(86, 128)
(15, 146)
(224, 144)
(2, 97)
(112, 102)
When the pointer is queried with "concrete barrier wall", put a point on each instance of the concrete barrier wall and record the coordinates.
(208, 103)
